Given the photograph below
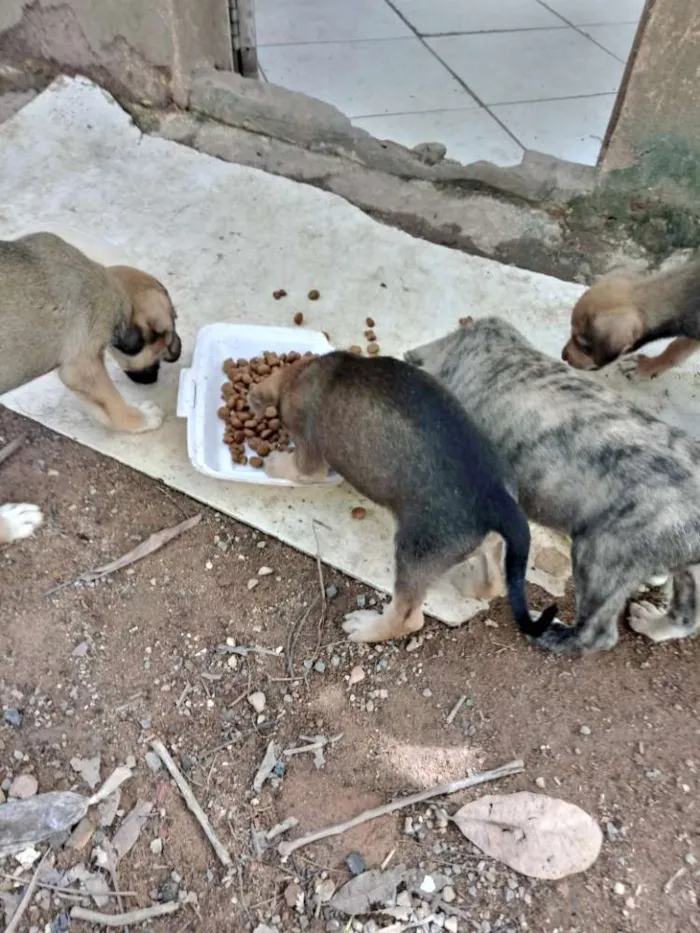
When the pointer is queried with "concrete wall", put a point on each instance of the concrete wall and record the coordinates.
(139, 48)
(656, 121)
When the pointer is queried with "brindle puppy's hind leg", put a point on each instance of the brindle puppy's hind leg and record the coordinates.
(680, 619)
(602, 589)
(423, 554)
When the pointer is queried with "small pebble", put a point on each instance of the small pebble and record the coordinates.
(619, 888)
(540, 782)
(370, 706)
(427, 693)
(356, 675)
(361, 601)
(24, 786)
(585, 730)
(258, 701)
(153, 761)
(355, 863)
(451, 925)
(331, 592)
(690, 859)
(80, 650)
(320, 667)
(13, 717)
(252, 583)
(265, 571)
(449, 894)
(156, 846)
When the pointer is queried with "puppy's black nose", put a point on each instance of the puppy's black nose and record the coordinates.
(146, 376)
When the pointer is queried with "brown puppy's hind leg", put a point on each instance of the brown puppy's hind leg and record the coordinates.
(89, 379)
(422, 556)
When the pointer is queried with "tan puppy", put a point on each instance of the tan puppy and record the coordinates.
(623, 313)
(60, 309)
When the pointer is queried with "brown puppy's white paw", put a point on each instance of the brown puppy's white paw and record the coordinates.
(654, 622)
(365, 625)
(137, 419)
(280, 465)
(19, 520)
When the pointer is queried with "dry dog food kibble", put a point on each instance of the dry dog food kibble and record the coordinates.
(369, 322)
(298, 318)
(358, 513)
(241, 426)
(280, 293)
(314, 294)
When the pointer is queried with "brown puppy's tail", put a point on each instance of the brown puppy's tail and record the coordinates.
(516, 533)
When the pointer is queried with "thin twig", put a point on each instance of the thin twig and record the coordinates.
(293, 637)
(191, 801)
(455, 709)
(60, 890)
(10, 448)
(152, 544)
(286, 848)
(127, 918)
(27, 896)
(674, 877)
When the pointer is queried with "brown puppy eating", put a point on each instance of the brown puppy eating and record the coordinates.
(623, 313)
(404, 442)
(60, 309)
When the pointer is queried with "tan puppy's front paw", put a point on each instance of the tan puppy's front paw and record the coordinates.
(639, 366)
(146, 416)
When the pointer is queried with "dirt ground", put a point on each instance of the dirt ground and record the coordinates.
(99, 669)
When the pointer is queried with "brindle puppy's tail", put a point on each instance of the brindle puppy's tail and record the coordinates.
(516, 533)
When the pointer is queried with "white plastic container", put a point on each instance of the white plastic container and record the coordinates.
(199, 395)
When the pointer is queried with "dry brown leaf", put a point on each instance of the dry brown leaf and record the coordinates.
(128, 833)
(533, 834)
(372, 887)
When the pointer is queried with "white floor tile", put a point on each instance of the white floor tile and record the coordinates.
(505, 67)
(616, 39)
(288, 21)
(360, 78)
(569, 129)
(593, 12)
(469, 135)
(430, 17)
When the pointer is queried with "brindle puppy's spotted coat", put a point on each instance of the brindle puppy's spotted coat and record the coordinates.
(623, 484)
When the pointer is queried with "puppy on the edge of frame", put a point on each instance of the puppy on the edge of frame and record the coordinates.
(621, 313)
(60, 309)
(404, 442)
(624, 485)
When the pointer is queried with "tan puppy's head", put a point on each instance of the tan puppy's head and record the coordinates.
(606, 323)
(147, 333)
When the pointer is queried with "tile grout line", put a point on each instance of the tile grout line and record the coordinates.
(449, 35)
(456, 77)
(580, 31)
(503, 103)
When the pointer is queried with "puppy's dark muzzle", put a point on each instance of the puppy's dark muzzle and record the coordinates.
(145, 377)
(174, 350)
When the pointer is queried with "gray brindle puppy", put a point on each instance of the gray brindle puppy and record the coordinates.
(622, 484)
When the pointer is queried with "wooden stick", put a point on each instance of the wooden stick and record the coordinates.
(127, 918)
(191, 801)
(286, 848)
(10, 448)
(455, 709)
(26, 897)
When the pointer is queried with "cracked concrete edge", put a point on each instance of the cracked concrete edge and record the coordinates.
(474, 222)
(295, 118)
